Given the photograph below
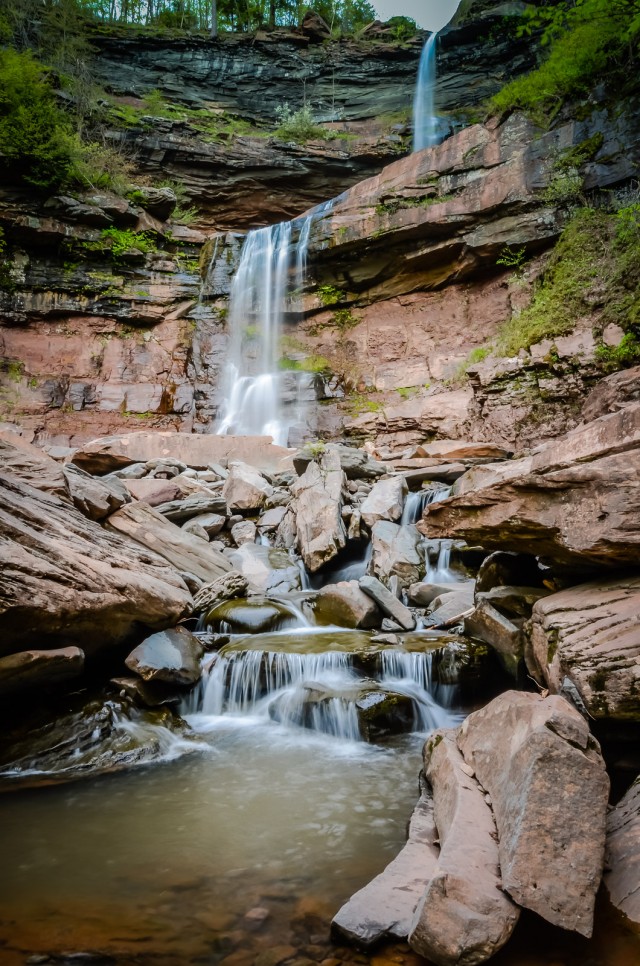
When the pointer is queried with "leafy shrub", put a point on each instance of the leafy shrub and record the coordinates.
(330, 295)
(297, 125)
(512, 257)
(122, 239)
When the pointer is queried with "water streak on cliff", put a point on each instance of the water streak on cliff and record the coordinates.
(425, 133)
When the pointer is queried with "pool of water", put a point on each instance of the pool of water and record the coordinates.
(239, 855)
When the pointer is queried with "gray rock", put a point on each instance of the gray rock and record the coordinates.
(29, 670)
(388, 602)
(514, 601)
(96, 498)
(422, 594)
(212, 523)
(192, 506)
(194, 528)
(451, 609)
(356, 464)
(622, 863)
(317, 504)
(268, 571)
(384, 908)
(463, 917)
(227, 587)
(543, 770)
(492, 627)
(395, 552)
(245, 488)
(385, 501)
(172, 656)
(271, 519)
(244, 532)
(346, 605)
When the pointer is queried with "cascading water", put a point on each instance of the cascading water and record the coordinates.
(265, 290)
(425, 134)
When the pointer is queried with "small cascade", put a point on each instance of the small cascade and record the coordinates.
(266, 290)
(425, 134)
(440, 572)
(417, 501)
(330, 691)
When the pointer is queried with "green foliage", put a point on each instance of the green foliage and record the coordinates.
(407, 392)
(584, 38)
(6, 279)
(185, 216)
(123, 239)
(358, 403)
(512, 257)
(622, 356)
(403, 28)
(330, 295)
(564, 188)
(344, 319)
(298, 125)
(312, 363)
(479, 354)
(314, 448)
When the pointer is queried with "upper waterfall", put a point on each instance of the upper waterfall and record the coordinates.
(425, 133)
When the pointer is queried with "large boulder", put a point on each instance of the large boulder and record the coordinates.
(317, 504)
(388, 602)
(395, 553)
(245, 489)
(385, 501)
(192, 506)
(464, 916)
(68, 581)
(589, 635)
(266, 570)
(574, 501)
(346, 605)
(94, 497)
(30, 670)
(549, 789)
(172, 656)
(31, 465)
(356, 464)
(187, 553)
(383, 909)
(622, 877)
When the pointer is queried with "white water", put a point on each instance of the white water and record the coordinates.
(265, 290)
(417, 501)
(424, 120)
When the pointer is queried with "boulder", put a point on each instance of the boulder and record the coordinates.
(271, 519)
(513, 601)
(384, 908)
(346, 605)
(385, 501)
(95, 498)
(195, 530)
(253, 616)
(152, 491)
(622, 861)
(590, 635)
(356, 464)
(315, 27)
(395, 551)
(68, 581)
(572, 502)
(388, 602)
(31, 465)
(227, 587)
(192, 506)
(212, 523)
(159, 202)
(267, 571)
(464, 916)
(186, 553)
(451, 608)
(317, 504)
(245, 488)
(29, 670)
(172, 656)
(492, 627)
(244, 532)
(422, 594)
(543, 770)
(197, 450)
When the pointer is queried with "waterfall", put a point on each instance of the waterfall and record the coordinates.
(424, 119)
(417, 501)
(266, 289)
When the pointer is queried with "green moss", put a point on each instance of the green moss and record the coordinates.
(13, 369)
(330, 295)
(123, 239)
(406, 392)
(422, 201)
(311, 363)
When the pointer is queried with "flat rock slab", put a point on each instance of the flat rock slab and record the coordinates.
(196, 450)
(95, 498)
(188, 554)
(623, 854)
(385, 501)
(152, 491)
(31, 465)
(573, 501)
(452, 609)
(590, 634)
(67, 580)
(172, 656)
(459, 449)
(36, 669)
(384, 908)
(387, 602)
(549, 788)
(463, 917)
(192, 506)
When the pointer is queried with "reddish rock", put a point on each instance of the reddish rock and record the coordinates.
(346, 605)
(153, 492)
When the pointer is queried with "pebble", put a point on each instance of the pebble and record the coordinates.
(257, 914)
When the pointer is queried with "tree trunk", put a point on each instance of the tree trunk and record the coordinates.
(214, 19)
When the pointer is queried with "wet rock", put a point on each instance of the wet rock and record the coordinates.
(66, 580)
(543, 770)
(152, 491)
(388, 602)
(172, 656)
(227, 587)
(101, 736)
(192, 506)
(267, 571)
(317, 504)
(253, 616)
(590, 636)
(451, 609)
(346, 605)
(244, 532)
(492, 627)
(572, 501)
(422, 594)
(245, 488)
(463, 916)
(385, 501)
(395, 552)
(147, 526)
(150, 694)
(502, 568)
(95, 498)
(384, 908)
(29, 670)
(622, 875)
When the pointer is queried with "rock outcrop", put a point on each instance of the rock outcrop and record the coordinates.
(317, 502)
(35, 670)
(172, 656)
(573, 499)
(588, 638)
(68, 581)
(622, 877)
(346, 605)
(395, 552)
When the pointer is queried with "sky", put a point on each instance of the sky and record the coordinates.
(430, 14)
